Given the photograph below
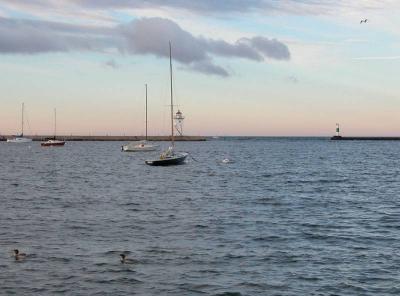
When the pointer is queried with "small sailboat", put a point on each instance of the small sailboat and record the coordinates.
(20, 138)
(143, 145)
(170, 156)
(53, 142)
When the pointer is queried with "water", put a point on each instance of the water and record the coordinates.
(288, 217)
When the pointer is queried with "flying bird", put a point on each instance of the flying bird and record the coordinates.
(363, 21)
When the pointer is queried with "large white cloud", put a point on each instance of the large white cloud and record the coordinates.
(139, 37)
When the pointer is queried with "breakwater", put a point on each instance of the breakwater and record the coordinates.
(111, 138)
(340, 138)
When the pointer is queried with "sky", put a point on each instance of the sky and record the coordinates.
(245, 68)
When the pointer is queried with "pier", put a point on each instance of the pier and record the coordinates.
(340, 138)
(111, 138)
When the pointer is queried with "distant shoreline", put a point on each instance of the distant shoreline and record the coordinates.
(340, 138)
(81, 138)
(111, 138)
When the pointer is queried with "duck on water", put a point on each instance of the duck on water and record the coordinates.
(19, 256)
(126, 260)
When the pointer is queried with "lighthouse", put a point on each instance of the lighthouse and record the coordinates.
(179, 122)
(337, 130)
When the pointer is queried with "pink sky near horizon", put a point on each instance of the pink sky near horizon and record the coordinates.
(316, 66)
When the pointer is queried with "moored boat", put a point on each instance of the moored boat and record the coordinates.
(142, 146)
(170, 156)
(20, 138)
(53, 142)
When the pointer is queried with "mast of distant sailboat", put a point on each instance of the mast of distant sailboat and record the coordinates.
(55, 123)
(22, 129)
(172, 102)
(146, 111)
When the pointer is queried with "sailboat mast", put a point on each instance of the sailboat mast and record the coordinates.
(55, 123)
(146, 111)
(22, 124)
(172, 101)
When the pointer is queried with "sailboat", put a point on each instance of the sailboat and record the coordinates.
(20, 138)
(170, 156)
(142, 146)
(53, 141)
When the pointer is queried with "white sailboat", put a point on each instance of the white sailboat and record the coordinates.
(53, 142)
(142, 146)
(170, 156)
(20, 138)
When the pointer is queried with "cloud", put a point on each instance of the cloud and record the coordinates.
(151, 36)
(208, 68)
(241, 6)
(111, 63)
(377, 58)
(139, 37)
(31, 37)
(271, 48)
(292, 79)
(195, 6)
(203, 7)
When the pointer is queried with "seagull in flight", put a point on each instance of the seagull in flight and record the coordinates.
(363, 21)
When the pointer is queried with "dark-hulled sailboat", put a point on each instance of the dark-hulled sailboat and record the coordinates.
(53, 142)
(170, 156)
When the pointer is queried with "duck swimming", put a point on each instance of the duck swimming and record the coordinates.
(18, 255)
(124, 259)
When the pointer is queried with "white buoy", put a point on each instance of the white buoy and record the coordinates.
(226, 160)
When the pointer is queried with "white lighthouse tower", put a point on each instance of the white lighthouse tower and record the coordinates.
(337, 130)
(179, 122)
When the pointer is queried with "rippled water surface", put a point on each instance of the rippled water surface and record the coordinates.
(287, 217)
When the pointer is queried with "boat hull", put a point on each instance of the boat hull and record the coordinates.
(19, 140)
(175, 160)
(126, 148)
(52, 144)
(142, 146)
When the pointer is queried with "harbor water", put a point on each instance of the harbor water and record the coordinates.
(286, 216)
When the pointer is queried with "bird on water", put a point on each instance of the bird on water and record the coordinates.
(18, 255)
(124, 259)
